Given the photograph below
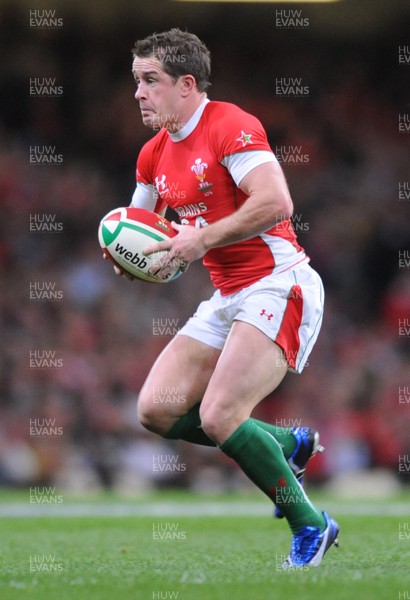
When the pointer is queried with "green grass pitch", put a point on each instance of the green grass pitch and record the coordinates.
(197, 557)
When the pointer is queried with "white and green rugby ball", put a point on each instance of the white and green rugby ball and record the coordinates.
(124, 234)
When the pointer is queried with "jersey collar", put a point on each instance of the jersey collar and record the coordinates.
(188, 128)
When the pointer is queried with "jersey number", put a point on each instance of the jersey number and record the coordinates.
(199, 222)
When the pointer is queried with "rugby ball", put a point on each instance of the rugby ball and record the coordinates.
(124, 234)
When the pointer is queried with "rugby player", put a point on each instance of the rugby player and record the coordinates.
(266, 313)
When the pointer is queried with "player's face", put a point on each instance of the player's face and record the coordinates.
(157, 93)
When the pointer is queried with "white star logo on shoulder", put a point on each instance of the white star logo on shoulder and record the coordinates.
(245, 138)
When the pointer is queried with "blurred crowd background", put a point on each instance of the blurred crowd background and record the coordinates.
(73, 361)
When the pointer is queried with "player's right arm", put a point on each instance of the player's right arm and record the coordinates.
(146, 194)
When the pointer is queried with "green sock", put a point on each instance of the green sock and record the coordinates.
(261, 458)
(283, 435)
(188, 428)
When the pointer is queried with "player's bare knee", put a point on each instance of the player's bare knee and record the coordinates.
(146, 418)
(151, 416)
(219, 423)
(212, 424)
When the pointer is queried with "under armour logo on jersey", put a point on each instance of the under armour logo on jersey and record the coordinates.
(161, 184)
(263, 313)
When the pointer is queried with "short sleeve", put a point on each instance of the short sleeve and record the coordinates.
(236, 131)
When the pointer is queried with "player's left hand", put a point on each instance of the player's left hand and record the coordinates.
(184, 248)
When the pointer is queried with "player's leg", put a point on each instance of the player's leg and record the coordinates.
(181, 374)
(210, 325)
(240, 381)
(175, 385)
(237, 385)
(168, 403)
(286, 312)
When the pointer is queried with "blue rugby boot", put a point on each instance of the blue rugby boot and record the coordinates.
(309, 545)
(307, 445)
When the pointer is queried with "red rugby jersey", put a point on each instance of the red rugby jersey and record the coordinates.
(194, 172)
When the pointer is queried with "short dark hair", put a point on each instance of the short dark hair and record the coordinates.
(180, 53)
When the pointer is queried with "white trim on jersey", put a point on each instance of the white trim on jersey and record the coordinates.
(241, 163)
(145, 196)
(284, 254)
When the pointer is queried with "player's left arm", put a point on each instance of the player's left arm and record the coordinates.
(268, 203)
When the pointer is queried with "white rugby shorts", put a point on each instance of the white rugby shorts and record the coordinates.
(287, 307)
